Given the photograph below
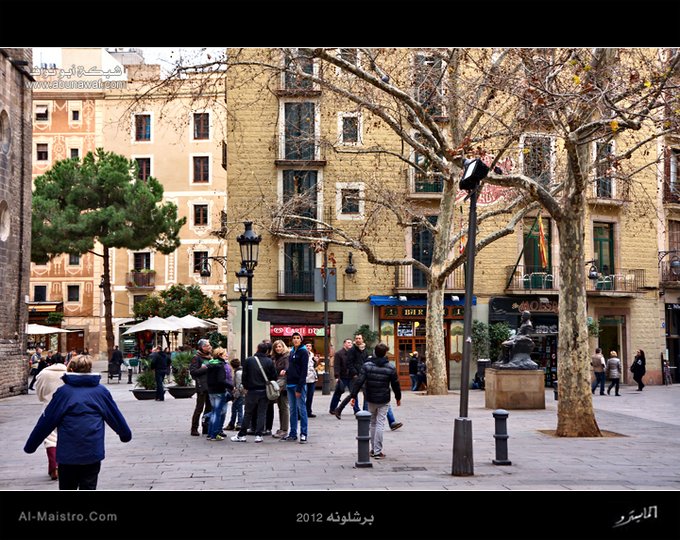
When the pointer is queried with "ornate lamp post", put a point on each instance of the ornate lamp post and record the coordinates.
(249, 244)
(242, 283)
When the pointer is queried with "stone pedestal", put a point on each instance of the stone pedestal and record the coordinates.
(514, 389)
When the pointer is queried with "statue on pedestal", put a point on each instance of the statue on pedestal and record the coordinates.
(516, 350)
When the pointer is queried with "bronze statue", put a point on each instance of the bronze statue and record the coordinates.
(516, 352)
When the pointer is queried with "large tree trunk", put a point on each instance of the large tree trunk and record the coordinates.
(575, 416)
(435, 357)
(107, 304)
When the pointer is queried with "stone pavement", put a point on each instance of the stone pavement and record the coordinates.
(163, 456)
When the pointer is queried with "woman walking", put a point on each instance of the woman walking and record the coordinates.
(639, 369)
(614, 372)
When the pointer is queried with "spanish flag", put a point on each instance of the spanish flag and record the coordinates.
(542, 249)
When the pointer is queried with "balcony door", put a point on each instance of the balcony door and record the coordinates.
(299, 268)
(423, 243)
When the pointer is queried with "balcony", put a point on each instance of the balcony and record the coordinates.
(140, 279)
(625, 282)
(529, 278)
(296, 285)
(670, 276)
(409, 280)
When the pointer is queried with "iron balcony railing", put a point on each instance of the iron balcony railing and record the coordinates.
(531, 277)
(669, 274)
(296, 283)
(621, 280)
(409, 278)
(140, 280)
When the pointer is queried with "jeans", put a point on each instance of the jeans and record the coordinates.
(237, 411)
(414, 382)
(218, 414)
(79, 476)
(599, 381)
(343, 384)
(615, 382)
(298, 407)
(378, 414)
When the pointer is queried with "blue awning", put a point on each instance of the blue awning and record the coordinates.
(393, 300)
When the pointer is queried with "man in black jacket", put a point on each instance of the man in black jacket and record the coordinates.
(199, 372)
(356, 357)
(378, 375)
(342, 380)
(256, 398)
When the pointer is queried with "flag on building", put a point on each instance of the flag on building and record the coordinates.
(542, 248)
(463, 237)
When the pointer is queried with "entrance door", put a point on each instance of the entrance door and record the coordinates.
(75, 340)
(612, 338)
(405, 346)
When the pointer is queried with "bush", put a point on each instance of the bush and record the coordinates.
(180, 368)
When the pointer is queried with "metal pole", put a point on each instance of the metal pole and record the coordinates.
(462, 428)
(244, 297)
(250, 313)
(326, 384)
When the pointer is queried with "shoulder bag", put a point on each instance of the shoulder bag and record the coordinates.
(272, 387)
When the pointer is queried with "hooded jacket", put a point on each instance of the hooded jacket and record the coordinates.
(377, 374)
(46, 384)
(78, 410)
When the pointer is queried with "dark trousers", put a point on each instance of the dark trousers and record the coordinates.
(34, 372)
(599, 381)
(638, 380)
(256, 403)
(310, 396)
(202, 405)
(615, 382)
(269, 418)
(160, 391)
(79, 476)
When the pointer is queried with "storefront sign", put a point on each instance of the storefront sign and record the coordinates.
(304, 331)
(534, 305)
(417, 312)
(413, 312)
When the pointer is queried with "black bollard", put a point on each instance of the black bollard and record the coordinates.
(363, 438)
(129, 374)
(501, 436)
(555, 389)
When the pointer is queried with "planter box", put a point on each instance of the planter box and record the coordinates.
(142, 393)
(181, 392)
(514, 388)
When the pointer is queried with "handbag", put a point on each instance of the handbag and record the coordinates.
(272, 387)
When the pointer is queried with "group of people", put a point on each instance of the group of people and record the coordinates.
(37, 362)
(611, 369)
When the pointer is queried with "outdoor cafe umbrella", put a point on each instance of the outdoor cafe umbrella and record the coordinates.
(39, 329)
(154, 324)
(189, 321)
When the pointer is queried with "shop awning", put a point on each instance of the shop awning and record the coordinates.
(297, 317)
(380, 300)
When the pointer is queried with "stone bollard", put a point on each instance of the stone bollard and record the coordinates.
(363, 438)
(501, 436)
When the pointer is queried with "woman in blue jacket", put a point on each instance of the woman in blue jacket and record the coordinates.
(78, 410)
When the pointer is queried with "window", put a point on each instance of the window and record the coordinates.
(41, 113)
(672, 170)
(603, 247)
(428, 79)
(201, 169)
(75, 153)
(73, 293)
(294, 63)
(350, 129)
(200, 260)
(603, 180)
(201, 215)
(299, 192)
(350, 201)
(42, 153)
(137, 298)
(422, 244)
(298, 268)
(143, 168)
(74, 259)
(674, 235)
(426, 180)
(201, 126)
(142, 127)
(75, 116)
(299, 130)
(141, 261)
(40, 293)
(532, 253)
(536, 156)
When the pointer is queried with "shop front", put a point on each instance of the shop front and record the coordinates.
(544, 317)
(403, 329)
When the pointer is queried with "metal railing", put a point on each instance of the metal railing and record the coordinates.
(299, 284)
(140, 280)
(622, 280)
(668, 273)
(532, 277)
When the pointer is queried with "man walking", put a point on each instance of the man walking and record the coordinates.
(342, 378)
(378, 375)
(356, 357)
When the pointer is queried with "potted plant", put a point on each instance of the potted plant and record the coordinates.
(145, 387)
(184, 384)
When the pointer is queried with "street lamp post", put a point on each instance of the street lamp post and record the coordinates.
(242, 281)
(463, 464)
(326, 383)
(249, 243)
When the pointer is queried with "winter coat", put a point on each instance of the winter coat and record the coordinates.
(597, 361)
(298, 363)
(238, 383)
(217, 377)
(377, 375)
(199, 372)
(46, 384)
(229, 374)
(413, 366)
(639, 367)
(355, 360)
(252, 374)
(78, 410)
(614, 368)
(340, 367)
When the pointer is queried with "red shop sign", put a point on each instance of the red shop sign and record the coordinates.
(304, 331)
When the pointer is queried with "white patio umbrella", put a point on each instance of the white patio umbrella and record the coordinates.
(155, 324)
(39, 329)
(189, 321)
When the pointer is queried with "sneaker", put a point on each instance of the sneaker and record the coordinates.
(378, 456)
(258, 438)
(237, 427)
(237, 438)
(216, 438)
(222, 434)
(311, 415)
(279, 433)
(289, 438)
(267, 433)
(303, 439)
(396, 426)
